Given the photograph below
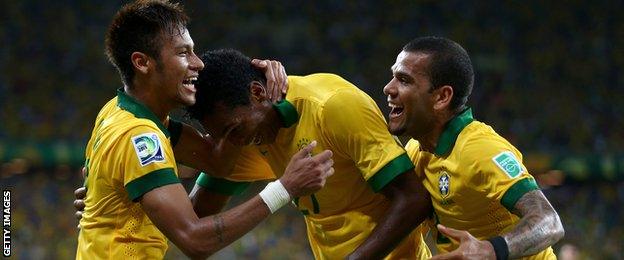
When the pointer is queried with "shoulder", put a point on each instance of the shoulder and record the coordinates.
(135, 130)
(318, 78)
(412, 147)
(479, 144)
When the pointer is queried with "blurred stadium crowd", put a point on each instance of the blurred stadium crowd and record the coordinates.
(548, 78)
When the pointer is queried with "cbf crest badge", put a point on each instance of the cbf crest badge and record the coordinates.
(148, 148)
(444, 183)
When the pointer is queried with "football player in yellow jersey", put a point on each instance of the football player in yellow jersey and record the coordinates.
(134, 199)
(486, 204)
(368, 209)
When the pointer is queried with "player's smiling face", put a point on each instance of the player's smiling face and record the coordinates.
(177, 69)
(409, 96)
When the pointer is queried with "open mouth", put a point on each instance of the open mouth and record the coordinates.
(395, 110)
(189, 83)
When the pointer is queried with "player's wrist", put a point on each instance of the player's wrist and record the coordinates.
(501, 250)
(275, 196)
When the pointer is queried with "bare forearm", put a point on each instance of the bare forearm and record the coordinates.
(206, 203)
(539, 226)
(410, 205)
(212, 233)
(395, 226)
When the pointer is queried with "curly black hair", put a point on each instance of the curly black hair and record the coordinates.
(449, 65)
(225, 79)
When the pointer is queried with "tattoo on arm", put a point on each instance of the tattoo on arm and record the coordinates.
(218, 222)
(538, 228)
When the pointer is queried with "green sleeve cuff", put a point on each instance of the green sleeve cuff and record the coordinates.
(516, 191)
(221, 186)
(175, 130)
(158, 178)
(394, 168)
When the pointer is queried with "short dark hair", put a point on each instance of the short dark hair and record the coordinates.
(449, 65)
(141, 26)
(225, 79)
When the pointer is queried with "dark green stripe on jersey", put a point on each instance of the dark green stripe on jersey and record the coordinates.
(287, 113)
(221, 186)
(394, 168)
(158, 178)
(516, 191)
(128, 103)
(452, 131)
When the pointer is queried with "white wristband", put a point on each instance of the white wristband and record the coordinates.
(275, 195)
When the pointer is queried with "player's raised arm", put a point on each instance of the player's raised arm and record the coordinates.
(171, 211)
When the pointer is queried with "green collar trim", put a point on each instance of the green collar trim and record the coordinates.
(286, 112)
(452, 130)
(128, 103)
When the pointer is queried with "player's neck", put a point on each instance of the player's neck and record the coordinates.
(150, 100)
(429, 142)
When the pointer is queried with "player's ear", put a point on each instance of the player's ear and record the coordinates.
(258, 91)
(141, 61)
(442, 97)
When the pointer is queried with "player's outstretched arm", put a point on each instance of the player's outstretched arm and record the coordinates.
(410, 205)
(539, 228)
(171, 211)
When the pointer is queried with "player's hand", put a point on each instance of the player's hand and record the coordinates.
(277, 80)
(469, 246)
(80, 194)
(306, 174)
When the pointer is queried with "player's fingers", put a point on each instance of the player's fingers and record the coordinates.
(261, 64)
(448, 256)
(273, 90)
(326, 165)
(83, 172)
(80, 193)
(78, 215)
(79, 204)
(305, 151)
(271, 80)
(452, 233)
(285, 87)
(323, 157)
(280, 79)
(329, 172)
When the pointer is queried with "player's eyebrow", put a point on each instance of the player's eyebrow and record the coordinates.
(393, 67)
(404, 75)
(184, 46)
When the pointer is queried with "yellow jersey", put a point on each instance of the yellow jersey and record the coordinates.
(345, 120)
(128, 154)
(475, 177)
